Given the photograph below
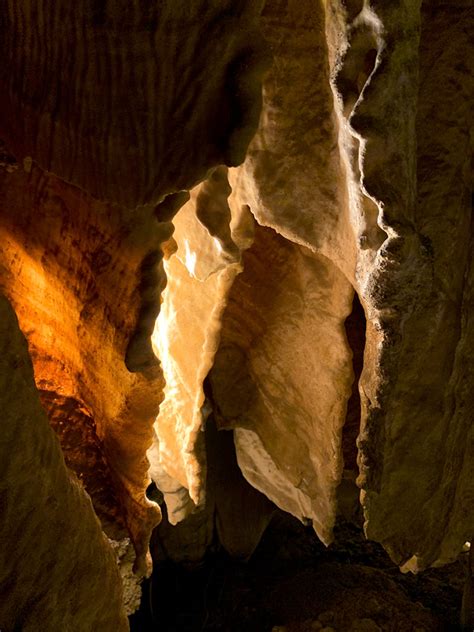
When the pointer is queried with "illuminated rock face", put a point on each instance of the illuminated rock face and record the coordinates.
(200, 275)
(355, 157)
(108, 108)
(57, 571)
(283, 343)
(356, 182)
(72, 269)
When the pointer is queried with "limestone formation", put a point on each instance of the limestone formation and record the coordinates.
(252, 313)
(130, 100)
(356, 155)
(73, 269)
(295, 375)
(106, 109)
(416, 442)
(57, 571)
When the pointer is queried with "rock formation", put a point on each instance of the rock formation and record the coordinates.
(346, 180)
(314, 273)
(56, 569)
(108, 107)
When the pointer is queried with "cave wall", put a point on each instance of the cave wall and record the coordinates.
(73, 269)
(108, 95)
(106, 109)
(419, 170)
(359, 180)
(356, 181)
(57, 571)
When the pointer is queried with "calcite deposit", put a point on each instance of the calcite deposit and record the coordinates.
(356, 154)
(106, 110)
(237, 237)
(417, 450)
(71, 266)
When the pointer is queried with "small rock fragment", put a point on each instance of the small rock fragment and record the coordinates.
(326, 617)
(365, 625)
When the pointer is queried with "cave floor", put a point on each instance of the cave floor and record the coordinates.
(292, 583)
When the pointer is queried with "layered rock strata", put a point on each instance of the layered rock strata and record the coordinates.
(119, 98)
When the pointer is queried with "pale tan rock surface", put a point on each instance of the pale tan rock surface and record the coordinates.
(413, 123)
(186, 336)
(361, 167)
(283, 375)
(293, 177)
(234, 512)
(294, 181)
(57, 570)
(383, 227)
(276, 184)
(200, 482)
(357, 180)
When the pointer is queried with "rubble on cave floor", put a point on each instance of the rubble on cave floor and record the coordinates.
(293, 583)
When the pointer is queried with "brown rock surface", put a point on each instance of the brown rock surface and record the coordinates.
(72, 268)
(98, 95)
(57, 571)
(395, 149)
(130, 101)
(416, 445)
(358, 180)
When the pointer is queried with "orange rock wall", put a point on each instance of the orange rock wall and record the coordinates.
(57, 571)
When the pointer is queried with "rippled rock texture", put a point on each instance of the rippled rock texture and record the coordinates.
(106, 109)
(118, 97)
(245, 335)
(358, 183)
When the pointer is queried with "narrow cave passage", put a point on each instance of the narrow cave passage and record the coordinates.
(355, 325)
(348, 493)
(292, 577)
(267, 158)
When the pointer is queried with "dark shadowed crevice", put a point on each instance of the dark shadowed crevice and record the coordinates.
(292, 577)
(84, 455)
(355, 330)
